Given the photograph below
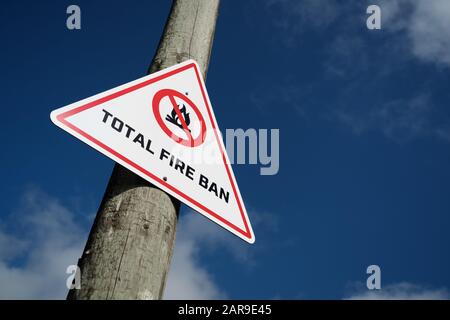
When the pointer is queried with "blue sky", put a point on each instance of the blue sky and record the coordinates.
(364, 145)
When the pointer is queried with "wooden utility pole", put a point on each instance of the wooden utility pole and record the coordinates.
(128, 252)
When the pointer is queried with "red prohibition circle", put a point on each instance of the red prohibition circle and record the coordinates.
(171, 94)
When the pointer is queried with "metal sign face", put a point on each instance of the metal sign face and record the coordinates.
(162, 127)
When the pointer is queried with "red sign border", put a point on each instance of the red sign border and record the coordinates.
(62, 118)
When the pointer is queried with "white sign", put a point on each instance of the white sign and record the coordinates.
(162, 127)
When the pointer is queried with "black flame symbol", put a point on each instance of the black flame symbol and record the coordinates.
(173, 117)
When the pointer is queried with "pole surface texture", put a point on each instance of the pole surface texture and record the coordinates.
(128, 252)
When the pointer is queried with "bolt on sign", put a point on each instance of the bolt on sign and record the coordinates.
(162, 127)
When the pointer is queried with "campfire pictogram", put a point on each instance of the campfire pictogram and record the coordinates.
(173, 117)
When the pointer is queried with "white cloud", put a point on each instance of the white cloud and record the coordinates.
(426, 24)
(402, 291)
(423, 23)
(429, 31)
(43, 238)
(293, 17)
(187, 279)
(33, 265)
(400, 120)
(414, 29)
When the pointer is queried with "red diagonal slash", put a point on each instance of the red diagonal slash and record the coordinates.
(180, 116)
(172, 94)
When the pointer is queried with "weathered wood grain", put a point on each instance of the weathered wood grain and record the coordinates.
(128, 252)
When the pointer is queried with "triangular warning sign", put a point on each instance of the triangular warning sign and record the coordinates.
(162, 127)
